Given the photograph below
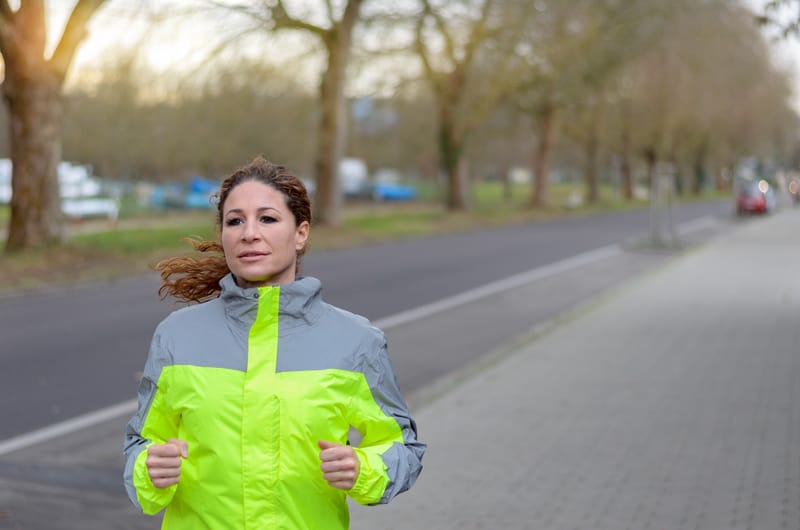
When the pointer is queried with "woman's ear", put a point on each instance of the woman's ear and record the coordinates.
(301, 236)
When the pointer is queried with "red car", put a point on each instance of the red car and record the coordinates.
(755, 197)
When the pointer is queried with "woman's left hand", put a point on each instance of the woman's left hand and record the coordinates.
(340, 465)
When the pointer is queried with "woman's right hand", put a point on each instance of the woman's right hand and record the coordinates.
(164, 462)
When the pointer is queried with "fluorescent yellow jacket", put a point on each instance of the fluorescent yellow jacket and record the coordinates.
(252, 380)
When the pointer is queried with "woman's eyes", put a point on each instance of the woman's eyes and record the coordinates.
(266, 219)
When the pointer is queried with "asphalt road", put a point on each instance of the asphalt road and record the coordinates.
(69, 351)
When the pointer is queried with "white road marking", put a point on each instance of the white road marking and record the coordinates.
(404, 317)
(52, 432)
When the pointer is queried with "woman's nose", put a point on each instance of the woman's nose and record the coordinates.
(250, 231)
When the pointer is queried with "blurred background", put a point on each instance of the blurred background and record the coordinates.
(117, 109)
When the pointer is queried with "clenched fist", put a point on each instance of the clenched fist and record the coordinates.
(340, 465)
(164, 462)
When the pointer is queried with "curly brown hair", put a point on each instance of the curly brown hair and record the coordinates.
(192, 279)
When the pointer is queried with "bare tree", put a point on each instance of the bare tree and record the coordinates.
(466, 49)
(708, 108)
(573, 52)
(333, 26)
(337, 38)
(32, 90)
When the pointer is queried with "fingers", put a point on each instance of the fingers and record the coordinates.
(327, 445)
(333, 451)
(340, 465)
(164, 462)
(182, 446)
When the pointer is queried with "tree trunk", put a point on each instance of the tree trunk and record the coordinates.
(32, 91)
(546, 125)
(592, 186)
(625, 166)
(699, 180)
(450, 149)
(35, 111)
(505, 179)
(333, 119)
(679, 179)
(650, 161)
(328, 201)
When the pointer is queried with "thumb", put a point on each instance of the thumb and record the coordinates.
(182, 446)
(326, 445)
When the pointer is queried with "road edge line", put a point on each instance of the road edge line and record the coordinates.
(50, 432)
(465, 297)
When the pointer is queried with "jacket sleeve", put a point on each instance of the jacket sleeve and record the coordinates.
(390, 455)
(152, 423)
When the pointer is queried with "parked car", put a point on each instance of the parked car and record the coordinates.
(86, 207)
(388, 186)
(755, 197)
(393, 192)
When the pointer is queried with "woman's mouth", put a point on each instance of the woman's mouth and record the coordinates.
(252, 256)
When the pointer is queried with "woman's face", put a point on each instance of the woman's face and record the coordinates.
(259, 236)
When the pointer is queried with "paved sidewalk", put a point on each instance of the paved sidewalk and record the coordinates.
(673, 403)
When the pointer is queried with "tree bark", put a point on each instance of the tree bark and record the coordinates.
(505, 180)
(332, 128)
(451, 146)
(699, 177)
(333, 119)
(546, 124)
(591, 148)
(35, 110)
(625, 166)
(32, 92)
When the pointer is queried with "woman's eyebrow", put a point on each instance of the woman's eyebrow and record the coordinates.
(261, 209)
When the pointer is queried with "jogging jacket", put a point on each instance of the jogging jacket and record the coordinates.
(252, 380)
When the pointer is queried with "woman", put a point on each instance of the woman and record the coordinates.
(247, 398)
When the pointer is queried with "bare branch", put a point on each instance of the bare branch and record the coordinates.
(221, 47)
(6, 21)
(283, 20)
(349, 17)
(74, 32)
(448, 39)
(6, 13)
(504, 85)
(478, 33)
(246, 9)
(27, 31)
(329, 9)
(431, 74)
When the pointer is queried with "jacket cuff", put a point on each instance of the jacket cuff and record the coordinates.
(372, 477)
(151, 499)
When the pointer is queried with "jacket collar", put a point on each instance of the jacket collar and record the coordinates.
(299, 300)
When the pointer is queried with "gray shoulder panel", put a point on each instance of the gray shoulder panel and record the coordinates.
(202, 335)
(334, 340)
